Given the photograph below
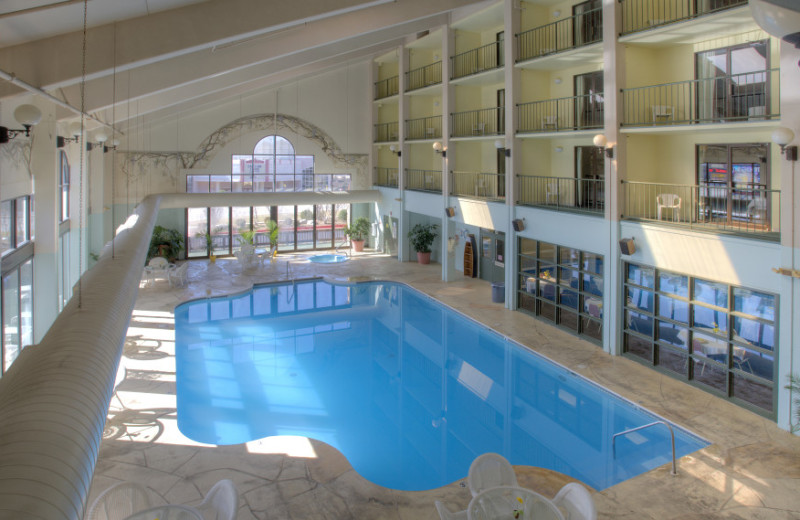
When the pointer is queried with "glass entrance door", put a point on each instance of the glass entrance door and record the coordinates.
(733, 82)
(588, 24)
(590, 174)
(733, 181)
(589, 100)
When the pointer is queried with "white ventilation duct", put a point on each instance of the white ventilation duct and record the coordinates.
(54, 399)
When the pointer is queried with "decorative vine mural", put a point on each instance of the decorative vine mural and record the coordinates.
(17, 154)
(159, 172)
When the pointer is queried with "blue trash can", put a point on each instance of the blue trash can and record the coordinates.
(498, 292)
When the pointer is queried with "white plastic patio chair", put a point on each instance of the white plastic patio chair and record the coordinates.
(119, 501)
(663, 113)
(221, 502)
(446, 514)
(757, 209)
(669, 201)
(550, 122)
(490, 470)
(177, 276)
(576, 501)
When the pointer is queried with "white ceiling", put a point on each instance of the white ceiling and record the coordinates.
(169, 56)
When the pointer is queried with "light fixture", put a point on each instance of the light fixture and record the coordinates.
(556, 13)
(501, 145)
(627, 246)
(100, 138)
(601, 141)
(557, 81)
(75, 131)
(114, 144)
(450, 212)
(438, 148)
(394, 150)
(519, 224)
(27, 116)
(782, 136)
(559, 149)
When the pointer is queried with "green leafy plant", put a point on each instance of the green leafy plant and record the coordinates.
(794, 387)
(272, 228)
(359, 230)
(247, 236)
(209, 241)
(422, 237)
(165, 242)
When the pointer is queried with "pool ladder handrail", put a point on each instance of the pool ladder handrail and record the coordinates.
(346, 252)
(671, 434)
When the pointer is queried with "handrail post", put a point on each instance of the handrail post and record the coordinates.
(671, 434)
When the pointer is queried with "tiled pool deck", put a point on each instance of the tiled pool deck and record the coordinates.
(750, 471)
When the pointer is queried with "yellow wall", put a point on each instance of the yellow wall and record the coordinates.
(423, 106)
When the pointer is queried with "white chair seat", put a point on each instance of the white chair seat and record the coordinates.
(119, 501)
(221, 502)
(671, 202)
(576, 501)
(490, 470)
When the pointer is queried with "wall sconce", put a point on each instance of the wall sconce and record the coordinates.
(114, 144)
(626, 246)
(501, 145)
(394, 150)
(782, 136)
(556, 13)
(519, 224)
(450, 212)
(75, 130)
(438, 148)
(557, 81)
(100, 137)
(559, 149)
(27, 116)
(601, 141)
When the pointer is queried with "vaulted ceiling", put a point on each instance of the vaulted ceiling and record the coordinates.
(171, 55)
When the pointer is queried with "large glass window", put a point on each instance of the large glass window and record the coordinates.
(15, 223)
(563, 285)
(63, 186)
(719, 336)
(273, 167)
(17, 316)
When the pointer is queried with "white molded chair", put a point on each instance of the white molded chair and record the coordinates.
(550, 122)
(757, 209)
(490, 470)
(663, 113)
(576, 501)
(177, 276)
(669, 201)
(551, 193)
(478, 128)
(221, 502)
(119, 501)
(446, 514)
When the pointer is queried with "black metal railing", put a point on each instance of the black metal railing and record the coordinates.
(561, 193)
(424, 128)
(569, 113)
(424, 180)
(424, 76)
(485, 121)
(486, 57)
(386, 177)
(386, 132)
(482, 185)
(387, 87)
(734, 97)
(748, 209)
(576, 31)
(640, 15)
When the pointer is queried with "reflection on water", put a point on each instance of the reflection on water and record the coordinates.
(409, 391)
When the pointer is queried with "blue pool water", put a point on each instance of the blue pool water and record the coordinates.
(327, 259)
(407, 389)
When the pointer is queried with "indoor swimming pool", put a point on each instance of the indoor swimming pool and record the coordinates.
(409, 390)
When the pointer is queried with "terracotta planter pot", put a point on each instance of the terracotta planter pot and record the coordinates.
(358, 245)
(424, 258)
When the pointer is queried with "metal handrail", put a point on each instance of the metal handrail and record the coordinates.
(671, 434)
(424, 76)
(566, 113)
(479, 59)
(641, 15)
(560, 35)
(387, 87)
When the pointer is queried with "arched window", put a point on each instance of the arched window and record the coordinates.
(273, 166)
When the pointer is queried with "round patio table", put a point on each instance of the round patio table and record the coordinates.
(512, 503)
(167, 512)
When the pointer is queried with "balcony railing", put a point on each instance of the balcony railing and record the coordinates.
(746, 209)
(576, 31)
(386, 177)
(486, 121)
(748, 96)
(424, 128)
(424, 76)
(640, 15)
(563, 114)
(386, 132)
(387, 87)
(486, 57)
(424, 180)
(488, 186)
(561, 193)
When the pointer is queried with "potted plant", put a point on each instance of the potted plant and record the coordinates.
(247, 236)
(422, 237)
(165, 242)
(272, 228)
(358, 233)
(209, 246)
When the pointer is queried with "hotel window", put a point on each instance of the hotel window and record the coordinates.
(563, 285)
(63, 187)
(15, 223)
(718, 336)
